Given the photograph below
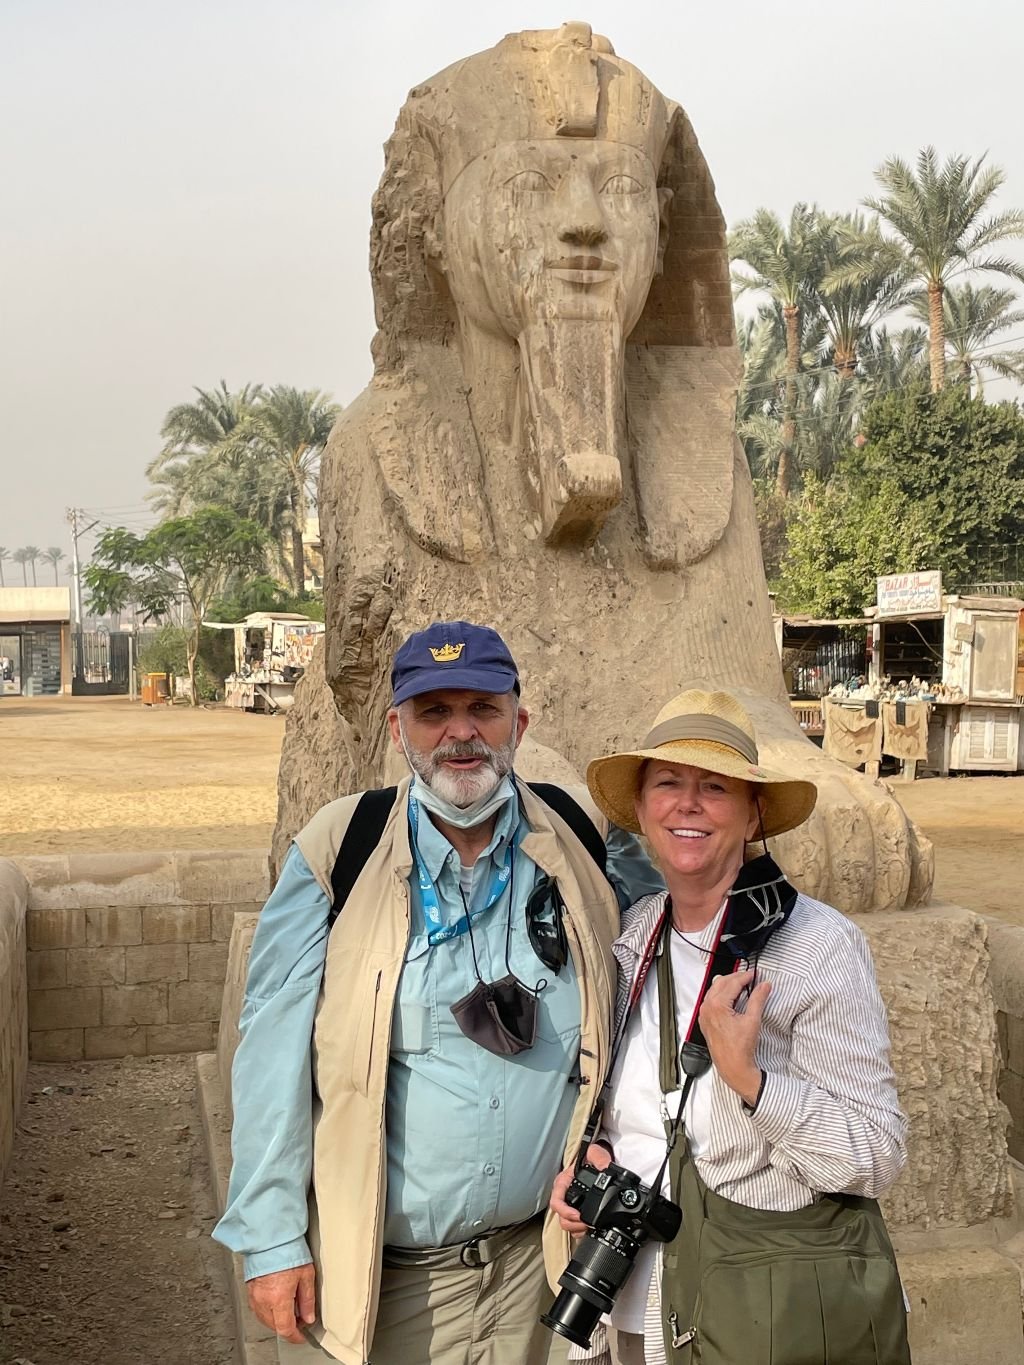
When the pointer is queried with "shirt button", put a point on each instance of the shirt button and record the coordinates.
(495, 1102)
(489, 1169)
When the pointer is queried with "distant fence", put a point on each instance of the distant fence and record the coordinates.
(103, 661)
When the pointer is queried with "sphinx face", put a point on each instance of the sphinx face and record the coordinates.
(544, 230)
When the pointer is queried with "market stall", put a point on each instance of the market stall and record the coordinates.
(817, 653)
(272, 651)
(945, 683)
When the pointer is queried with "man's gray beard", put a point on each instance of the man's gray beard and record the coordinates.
(460, 789)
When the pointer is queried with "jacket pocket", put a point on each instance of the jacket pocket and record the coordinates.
(370, 1027)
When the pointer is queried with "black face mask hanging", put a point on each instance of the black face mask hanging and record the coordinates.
(500, 1016)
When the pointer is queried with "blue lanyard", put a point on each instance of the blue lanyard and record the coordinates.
(437, 930)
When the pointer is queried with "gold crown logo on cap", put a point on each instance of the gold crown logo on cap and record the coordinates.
(447, 654)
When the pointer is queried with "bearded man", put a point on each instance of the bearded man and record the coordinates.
(423, 1066)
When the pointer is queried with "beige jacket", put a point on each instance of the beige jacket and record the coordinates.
(352, 1035)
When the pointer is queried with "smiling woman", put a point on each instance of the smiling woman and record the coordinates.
(753, 1033)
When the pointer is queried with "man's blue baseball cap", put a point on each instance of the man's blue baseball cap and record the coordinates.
(453, 654)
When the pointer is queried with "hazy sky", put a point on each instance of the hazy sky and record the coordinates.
(185, 184)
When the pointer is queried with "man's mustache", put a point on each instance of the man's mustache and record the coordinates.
(466, 749)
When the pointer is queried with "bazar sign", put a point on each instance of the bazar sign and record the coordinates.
(899, 593)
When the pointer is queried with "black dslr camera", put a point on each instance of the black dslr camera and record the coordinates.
(622, 1213)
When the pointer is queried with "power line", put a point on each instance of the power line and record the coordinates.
(874, 363)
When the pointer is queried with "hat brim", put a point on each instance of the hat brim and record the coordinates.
(613, 781)
(497, 681)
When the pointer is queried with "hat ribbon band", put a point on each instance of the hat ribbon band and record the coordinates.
(706, 728)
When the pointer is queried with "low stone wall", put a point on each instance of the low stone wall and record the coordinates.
(1006, 946)
(127, 953)
(13, 1005)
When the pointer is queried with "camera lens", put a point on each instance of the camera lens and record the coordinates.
(590, 1283)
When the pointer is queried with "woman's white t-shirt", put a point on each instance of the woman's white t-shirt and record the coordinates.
(634, 1121)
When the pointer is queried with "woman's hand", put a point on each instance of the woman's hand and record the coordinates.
(568, 1217)
(732, 1037)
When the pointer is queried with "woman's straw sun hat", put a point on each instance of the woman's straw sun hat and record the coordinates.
(708, 730)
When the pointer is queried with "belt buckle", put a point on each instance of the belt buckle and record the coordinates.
(470, 1253)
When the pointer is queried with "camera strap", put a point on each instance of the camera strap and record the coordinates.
(694, 1055)
(693, 1058)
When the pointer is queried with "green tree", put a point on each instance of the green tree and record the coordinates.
(972, 318)
(938, 484)
(852, 304)
(286, 431)
(841, 536)
(22, 557)
(53, 556)
(196, 555)
(787, 262)
(892, 362)
(941, 216)
(5, 554)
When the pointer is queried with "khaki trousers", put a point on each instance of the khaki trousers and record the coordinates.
(434, 1312)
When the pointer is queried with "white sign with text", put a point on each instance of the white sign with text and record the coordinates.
(900, 593)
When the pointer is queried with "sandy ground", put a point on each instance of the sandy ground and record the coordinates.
(977, 827)
(101, 773)
(105, 1255)
(97, 773)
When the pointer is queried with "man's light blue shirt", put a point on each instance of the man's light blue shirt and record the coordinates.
(473, 1140)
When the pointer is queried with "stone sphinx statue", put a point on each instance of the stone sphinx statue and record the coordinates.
(548, 443)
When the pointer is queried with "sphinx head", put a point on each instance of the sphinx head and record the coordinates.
(545, 193)
(533, 90)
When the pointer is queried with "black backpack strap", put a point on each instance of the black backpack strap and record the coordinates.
(361, 838)
(576, 818)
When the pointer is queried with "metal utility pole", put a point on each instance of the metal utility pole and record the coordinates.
(71, 515)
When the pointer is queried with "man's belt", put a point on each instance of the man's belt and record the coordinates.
(478, 1251)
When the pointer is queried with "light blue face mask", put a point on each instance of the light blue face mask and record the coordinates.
(463, 817)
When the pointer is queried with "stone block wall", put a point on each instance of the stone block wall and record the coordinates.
(13, 1005)
(127, 953)
(1006, 945)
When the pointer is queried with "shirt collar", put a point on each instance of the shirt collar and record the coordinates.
(435, 849)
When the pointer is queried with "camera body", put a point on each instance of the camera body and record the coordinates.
(622, 1213)
(618, 1198)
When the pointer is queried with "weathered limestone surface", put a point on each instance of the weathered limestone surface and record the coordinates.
(13, 1005)
(239, 948)
(126, 953)
(548, 444)
(1006, 943)
(932, 967)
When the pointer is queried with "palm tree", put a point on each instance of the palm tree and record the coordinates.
(195, 430)
(4, 554)
(851, 306)
(32, 553)
(938, 215)
(22, 557)
(972, 317)
(787, 263)
(286, 432)
(53, 556)
(892, 362)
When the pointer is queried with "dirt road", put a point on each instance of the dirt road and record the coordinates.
(977, 827)
(104, 773)
(105, 1254)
